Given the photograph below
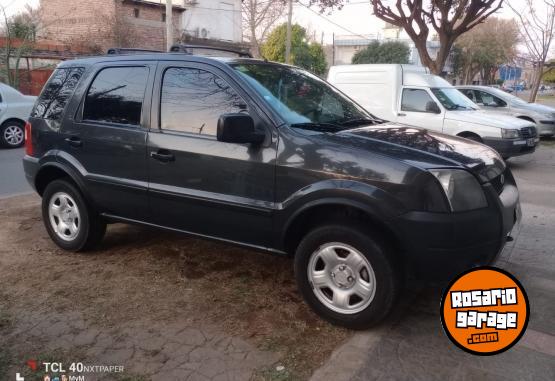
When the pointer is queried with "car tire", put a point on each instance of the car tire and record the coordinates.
(71, 223)
(12, 134)
(335, 262)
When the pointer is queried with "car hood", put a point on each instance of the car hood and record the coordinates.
(484, 118)
(536, 107)
(425, 149)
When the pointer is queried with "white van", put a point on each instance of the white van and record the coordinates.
(410, 95)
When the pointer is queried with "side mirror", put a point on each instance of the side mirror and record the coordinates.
(238, 128)
(432, 107)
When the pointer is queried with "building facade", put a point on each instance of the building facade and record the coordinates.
(213, 19)
(100, 24)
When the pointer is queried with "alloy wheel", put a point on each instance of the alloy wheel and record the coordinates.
(342, 278)
(64, 216)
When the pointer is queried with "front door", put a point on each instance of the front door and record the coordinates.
(198, 184)
(107, 140)
(416, 109)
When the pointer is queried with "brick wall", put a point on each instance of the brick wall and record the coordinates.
(100, 24)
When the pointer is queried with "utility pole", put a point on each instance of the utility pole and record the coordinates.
(169, 25)
(288, 38)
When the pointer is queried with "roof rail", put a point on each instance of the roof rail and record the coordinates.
(131, 51)
(188, 49)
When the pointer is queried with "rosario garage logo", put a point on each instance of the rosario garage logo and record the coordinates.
(485, 311)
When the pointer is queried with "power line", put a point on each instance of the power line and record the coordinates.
(334, 23)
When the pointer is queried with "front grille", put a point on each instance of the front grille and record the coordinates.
(528, 132)
(498, 183)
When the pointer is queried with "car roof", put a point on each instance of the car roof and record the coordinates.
(87, 61)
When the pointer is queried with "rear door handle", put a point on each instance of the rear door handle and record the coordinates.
(162, 155)
(401, 114)
(74, 141)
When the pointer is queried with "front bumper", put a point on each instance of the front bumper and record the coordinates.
(439, 246)
(513, 147)
(546, 127)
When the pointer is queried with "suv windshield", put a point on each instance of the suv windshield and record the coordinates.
(452, 99)
(302, 99)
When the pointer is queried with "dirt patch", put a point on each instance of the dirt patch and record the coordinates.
(143, 281)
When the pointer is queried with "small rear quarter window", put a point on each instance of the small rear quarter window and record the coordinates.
(56, 93)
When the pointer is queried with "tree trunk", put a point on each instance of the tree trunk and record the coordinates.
(536, 83)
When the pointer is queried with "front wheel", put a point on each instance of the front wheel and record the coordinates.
(347, 277)
(70, 222)
(12, 134)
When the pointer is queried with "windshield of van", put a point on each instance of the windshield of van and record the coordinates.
(452, 99)
(302, 99)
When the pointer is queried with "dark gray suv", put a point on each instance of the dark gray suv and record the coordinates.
(270, 157)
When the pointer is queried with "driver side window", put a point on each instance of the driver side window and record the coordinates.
(487, 99)
(415, 100)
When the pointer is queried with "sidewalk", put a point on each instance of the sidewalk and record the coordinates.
(411, 345)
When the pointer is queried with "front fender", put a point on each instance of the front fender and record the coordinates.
(375, 202)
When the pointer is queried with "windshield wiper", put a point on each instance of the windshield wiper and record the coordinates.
(357, 122)
(322, 127)
(463, 107)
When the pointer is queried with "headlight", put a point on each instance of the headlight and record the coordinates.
(461, 188)
(509, 134)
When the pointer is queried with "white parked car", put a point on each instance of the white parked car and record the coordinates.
(15, 109)
(490, 98)
(410, 95)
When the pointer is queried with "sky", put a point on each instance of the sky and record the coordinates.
(355, 17)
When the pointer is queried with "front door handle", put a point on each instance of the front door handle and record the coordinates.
(74, 141)
(401, 114)
(162, 155)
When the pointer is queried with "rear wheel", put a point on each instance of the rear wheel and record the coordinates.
(346, 276)
(12, 134)
(70, 222)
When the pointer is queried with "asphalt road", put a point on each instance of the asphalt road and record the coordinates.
(12, 178)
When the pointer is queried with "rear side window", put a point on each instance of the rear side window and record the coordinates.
(193, 100)
(56, 93)
(116, 96)
(415, 100)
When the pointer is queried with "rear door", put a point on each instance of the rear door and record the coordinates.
(415, 111)
(198, 184)
(107, 139)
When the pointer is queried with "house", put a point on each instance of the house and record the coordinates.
(213, 20)
(346, 46)
(100, 24)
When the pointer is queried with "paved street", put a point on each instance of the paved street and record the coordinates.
(412, 345)
(12, 179)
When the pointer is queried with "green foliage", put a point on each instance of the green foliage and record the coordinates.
(389, 52)
(549, 73)
(308, 55)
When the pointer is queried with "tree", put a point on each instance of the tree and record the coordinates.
(308, 55)
(484, 48)
(448, 18)
(537, 25)
(391, 52)
(19, 32)
(259, 16)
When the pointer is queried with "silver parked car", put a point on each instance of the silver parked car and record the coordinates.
(14, 112)
(490, 98)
